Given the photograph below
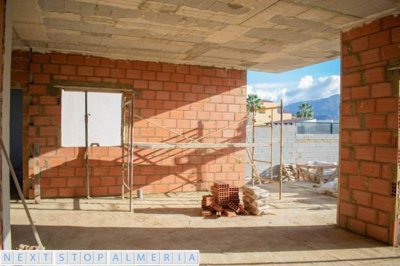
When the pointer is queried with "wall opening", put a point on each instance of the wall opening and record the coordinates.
(16, 118)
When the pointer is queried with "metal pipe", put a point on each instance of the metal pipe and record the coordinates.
(123, 146)
(131, 150)
(87, 146)
(21, 195)
(271, 172)
(281, 153)
(252, 148)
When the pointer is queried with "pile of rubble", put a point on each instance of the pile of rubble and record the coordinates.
(225, 200)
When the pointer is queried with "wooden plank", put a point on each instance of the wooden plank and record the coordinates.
(157, 145)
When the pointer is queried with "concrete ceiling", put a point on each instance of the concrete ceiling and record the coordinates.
(267, 35)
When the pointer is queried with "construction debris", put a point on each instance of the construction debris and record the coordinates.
(255, 200)
(290, 172)
(224, 200)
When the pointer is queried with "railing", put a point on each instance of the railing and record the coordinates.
(317, 127)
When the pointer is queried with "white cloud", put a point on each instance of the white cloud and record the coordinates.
(306, 82)
(308, 88)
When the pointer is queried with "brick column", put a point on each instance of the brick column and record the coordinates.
(369, 129)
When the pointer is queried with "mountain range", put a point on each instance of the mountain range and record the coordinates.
(324, 109)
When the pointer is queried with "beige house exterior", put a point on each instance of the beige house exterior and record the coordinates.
(269, 112)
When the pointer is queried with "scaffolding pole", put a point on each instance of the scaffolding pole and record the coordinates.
(281, 153)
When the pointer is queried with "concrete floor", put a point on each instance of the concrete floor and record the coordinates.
(300, 230)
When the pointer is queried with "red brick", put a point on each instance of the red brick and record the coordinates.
(85, 71)
(358, 182)
(106, 62)
(34, 68)
(67, 70)
(356, 226)
(75, 59)
(156, 85)
(388, 155)
(51, 110)
(117, 73)
(383, 203)
(162, 95)
(367, 214)
(48, 100)
(360, 137)
(168, 67)
(347, 209)
(378, 232)
(345, 153)
(360, 92)
(379, 39)
(364, 153)
(381, 90)
(390, 52)
(48, 131)
(351, 80)
(91, 61)
(123, 64)
(66, 172)
(347, 108)
(350, 122)
(349, 167)
(387, 105)
(371, 169)
(370, 27)
(366, 106)
(379, 186)
(392, 121)
(375, 75)
(42, 120)
(51, 69)
(40, 58)
(41, 78)
(390, 21)
(141, 84)
(360, 44)
(75, 182)
(20, 76)
(107, 181)
(162, 76)
(370, 56)
(102, 72)
(362, 198)
(381, 137)
(133, 74)
(396, 35)
(99, 191)
(376, 121)
(383, 219)
(58, 182)
(49, 193)
(191, 79)
(58, 58)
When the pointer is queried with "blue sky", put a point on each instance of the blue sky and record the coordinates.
(302, 84)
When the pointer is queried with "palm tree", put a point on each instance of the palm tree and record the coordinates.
(253, 103)
(305, 111)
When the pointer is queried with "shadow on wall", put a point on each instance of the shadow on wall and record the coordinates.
(155, 170)
(190, 100)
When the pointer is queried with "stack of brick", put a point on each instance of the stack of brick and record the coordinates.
(224, 200)
(255, 200)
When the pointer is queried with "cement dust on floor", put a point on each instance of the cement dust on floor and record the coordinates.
(300, 230)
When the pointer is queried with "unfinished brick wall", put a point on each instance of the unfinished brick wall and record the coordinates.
(369, 133)
(189, 100)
